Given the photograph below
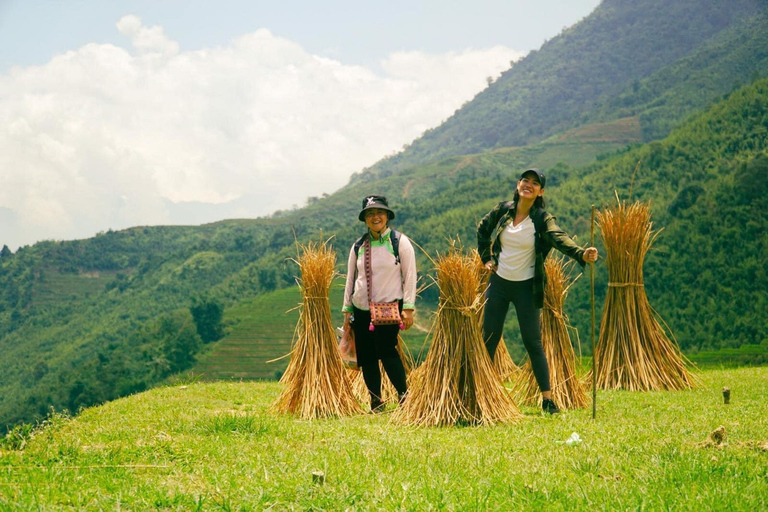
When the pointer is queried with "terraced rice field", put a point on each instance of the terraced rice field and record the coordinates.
(55, 287)
(258, 332)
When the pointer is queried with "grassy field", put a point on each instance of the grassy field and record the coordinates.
(217, 446)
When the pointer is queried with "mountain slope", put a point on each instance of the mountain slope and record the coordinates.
(655, 59)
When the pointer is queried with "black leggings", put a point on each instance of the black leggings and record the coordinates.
(499, 294)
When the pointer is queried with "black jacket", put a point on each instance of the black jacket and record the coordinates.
(548, 235)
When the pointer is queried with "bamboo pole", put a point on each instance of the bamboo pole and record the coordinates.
(592, 307)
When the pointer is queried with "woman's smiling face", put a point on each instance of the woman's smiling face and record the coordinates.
(529, 186)
(376, 219)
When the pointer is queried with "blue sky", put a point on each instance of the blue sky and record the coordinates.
(116, 113)
(355, 32)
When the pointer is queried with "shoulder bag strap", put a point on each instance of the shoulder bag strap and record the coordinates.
(368, 275)
(367, 260)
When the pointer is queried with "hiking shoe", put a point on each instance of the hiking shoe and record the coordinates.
(549, 406)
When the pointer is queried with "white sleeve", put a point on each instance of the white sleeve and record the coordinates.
(351, 271)
(408, 272)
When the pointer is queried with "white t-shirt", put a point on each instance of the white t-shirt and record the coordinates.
(517, 260)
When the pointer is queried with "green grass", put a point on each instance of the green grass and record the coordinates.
(745, 355)
(260, 330)
(216, 446)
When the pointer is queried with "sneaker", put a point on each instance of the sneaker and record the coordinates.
(401, 398)
(549, 406)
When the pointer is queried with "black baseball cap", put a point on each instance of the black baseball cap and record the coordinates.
(539, 175)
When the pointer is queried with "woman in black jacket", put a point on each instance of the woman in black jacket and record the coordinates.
(513, 240)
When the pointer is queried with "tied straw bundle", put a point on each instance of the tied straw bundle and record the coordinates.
(316, 380)
(633, 352)
(457, 384)
(568, 390)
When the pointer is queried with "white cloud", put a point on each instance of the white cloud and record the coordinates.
(103, 138)
(146, 40)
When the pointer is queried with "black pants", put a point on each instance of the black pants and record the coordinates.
(499, 294)
(374, 346)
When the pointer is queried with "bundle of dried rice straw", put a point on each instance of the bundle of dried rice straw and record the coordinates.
(457, 384)
(568, 389)
(316, 381)
(633, 351)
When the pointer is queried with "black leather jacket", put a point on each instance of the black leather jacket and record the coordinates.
(548, 235)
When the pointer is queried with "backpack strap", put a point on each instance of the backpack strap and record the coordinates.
(369, 277)
(359, 243)
(394, 237)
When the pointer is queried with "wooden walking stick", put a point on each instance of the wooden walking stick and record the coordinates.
(592, 301)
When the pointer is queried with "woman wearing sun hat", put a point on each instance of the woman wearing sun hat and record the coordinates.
(393, 269)
(513, 240)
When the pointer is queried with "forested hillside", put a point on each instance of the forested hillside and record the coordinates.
(655, 60)
(708, 186)
(86, 321)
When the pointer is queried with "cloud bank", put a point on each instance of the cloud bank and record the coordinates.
(103, 138)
